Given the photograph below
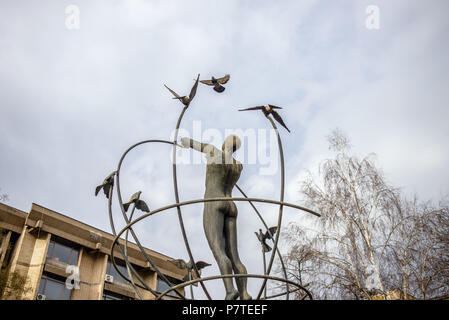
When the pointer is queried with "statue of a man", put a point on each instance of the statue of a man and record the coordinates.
(219, 217)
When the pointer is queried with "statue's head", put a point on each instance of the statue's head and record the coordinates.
(231, 143)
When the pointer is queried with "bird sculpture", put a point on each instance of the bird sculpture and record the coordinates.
(267, 110)
(139, 204)
(107, 184)
(264, 236)
(181, 264)
(184, 99)
(217, 83)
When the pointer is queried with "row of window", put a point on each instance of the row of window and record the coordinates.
(54, 287)
(67, 252)
(63, 251)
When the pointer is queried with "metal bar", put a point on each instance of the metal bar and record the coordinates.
(117, 236)
(184, 203)
(178, 209)
(271, 236)
(264, 271)
(111, 220)
(284, 293)
(281, 154)
(126, 253)
(181, 285)
(159, 273)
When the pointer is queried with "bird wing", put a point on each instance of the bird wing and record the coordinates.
(173, 93)
(181, 264)
(97, 189)
(193, 90)
(224, 79)
(278, 118)
(208, 82)
(274, 107)
(201, 264)
(106, 189)
(259, 237)
(253, 108)
(186, 277)
(109, 178)
(141, 205)
(273, 230)
(266, 247)
(126, 206)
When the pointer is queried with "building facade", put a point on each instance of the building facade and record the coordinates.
(52, 250)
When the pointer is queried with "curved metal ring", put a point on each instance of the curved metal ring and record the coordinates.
(128, 220)
(130, 224)
(184, 203)
(272, 239)
(265, 277)
(179, 204)
(119, 196)
(284, 293)
(276, 241)
(178, 209)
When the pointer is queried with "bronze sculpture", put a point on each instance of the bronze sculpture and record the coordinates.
(220, 213)
(219, 218)
(267, 110)
(269, 234)
(262, 237)
(184, 99)
(107, 185)
(181, 264)
(217, 83)
(139, 204)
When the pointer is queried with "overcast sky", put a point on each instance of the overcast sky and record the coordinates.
(73, 100)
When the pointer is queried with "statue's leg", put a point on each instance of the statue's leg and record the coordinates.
(231, 249)
(213, 223)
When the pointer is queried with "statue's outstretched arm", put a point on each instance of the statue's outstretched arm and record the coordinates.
(198, 146)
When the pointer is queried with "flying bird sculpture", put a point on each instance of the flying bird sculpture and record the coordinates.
(139, 204)
(264, 236)
(107, 184)
(217, 83)
(184, 99)
(181, 264)
(267, 110)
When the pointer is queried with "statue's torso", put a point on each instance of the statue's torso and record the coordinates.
(221, 177)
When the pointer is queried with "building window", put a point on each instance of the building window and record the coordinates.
(10, 249)
(113, 272)
(63, 251)
(53, 288)
(162, 285)
(108, 295)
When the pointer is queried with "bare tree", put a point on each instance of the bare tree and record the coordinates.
(370, 240)
(420, 251)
